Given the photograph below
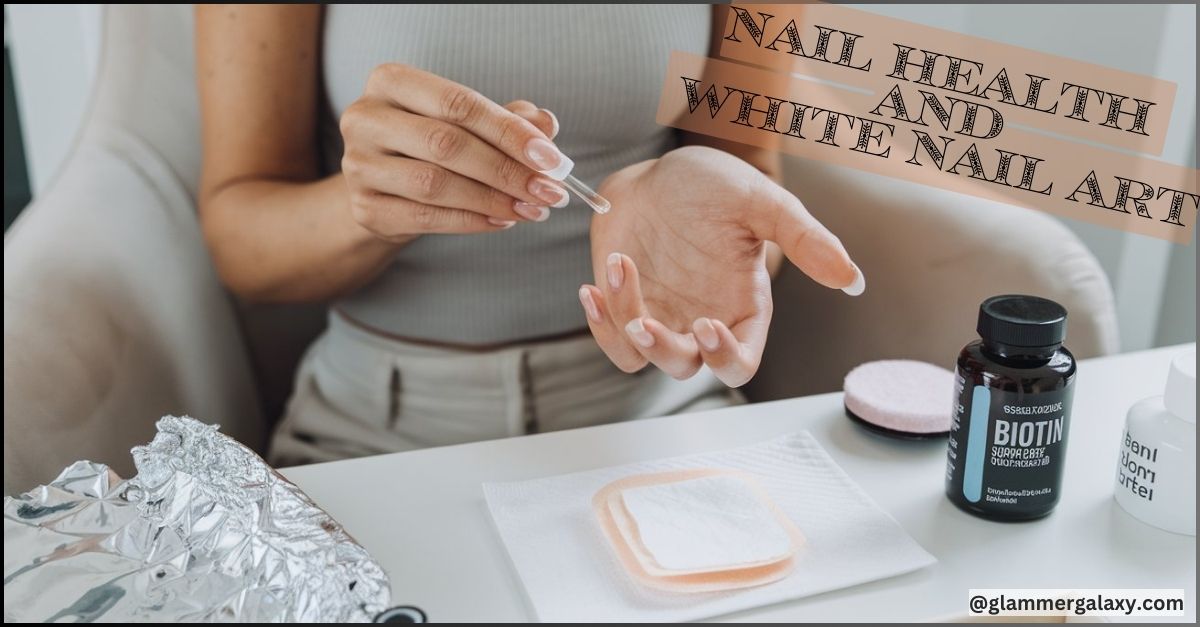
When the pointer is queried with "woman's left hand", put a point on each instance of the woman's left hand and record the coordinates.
(680, 269)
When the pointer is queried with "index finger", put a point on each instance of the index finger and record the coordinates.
(435, 97)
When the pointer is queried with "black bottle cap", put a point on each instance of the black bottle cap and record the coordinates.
(1026, 321)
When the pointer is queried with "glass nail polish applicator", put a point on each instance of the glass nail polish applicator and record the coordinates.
(597, 202)
(562, 174)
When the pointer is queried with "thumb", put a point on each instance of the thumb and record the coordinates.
(783, 219)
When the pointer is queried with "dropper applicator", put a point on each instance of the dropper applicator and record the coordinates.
(562, 173)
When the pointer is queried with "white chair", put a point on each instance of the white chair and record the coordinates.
(113, 315)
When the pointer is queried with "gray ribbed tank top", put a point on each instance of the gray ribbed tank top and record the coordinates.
(599, 68)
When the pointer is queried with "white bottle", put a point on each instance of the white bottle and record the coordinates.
(1156, 472)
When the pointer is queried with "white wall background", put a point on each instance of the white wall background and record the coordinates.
(54, 51)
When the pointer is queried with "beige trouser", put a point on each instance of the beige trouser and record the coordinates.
(358, 393)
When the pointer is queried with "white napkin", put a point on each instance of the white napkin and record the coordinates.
(570, 573)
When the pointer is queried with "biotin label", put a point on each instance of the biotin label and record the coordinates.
(1007, 448)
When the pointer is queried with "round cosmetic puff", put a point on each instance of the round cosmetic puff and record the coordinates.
(901, 398)
(402, 614)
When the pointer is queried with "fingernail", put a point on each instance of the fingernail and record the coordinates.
(548, 159)
(530, 211)
(858, 286)
(554, 120)
(706, 333)
(549, 193)
(638, 332)
(589, 305)
(616, 274)
(502, 223)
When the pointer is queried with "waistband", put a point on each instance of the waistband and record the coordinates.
(364, 355)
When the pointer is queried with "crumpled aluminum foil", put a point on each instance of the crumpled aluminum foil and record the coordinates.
(206, 531)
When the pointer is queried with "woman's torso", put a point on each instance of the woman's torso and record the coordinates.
(599, 68)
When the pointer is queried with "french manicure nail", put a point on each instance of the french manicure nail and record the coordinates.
(548, 159)
(858, 286)
(589, 305)
(530, 211)
(706, 333)
(638, 332)
(501, 223)
(543, 154)
(548, 192)
(553, 120)
(616, 274)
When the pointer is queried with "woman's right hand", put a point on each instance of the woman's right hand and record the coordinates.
(424, 154)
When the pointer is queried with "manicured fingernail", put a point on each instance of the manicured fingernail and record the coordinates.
(616, 274)
(530, 211)
(543, 154)
(553, 120)
(858, 286)
(548, 159)
(502, 223)
(706, 334)
(589, 305)
(638, 332)
(548, 192)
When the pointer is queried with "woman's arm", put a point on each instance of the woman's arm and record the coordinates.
(422, 155)
(276, 229)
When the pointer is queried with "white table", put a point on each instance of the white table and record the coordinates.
(422, 514)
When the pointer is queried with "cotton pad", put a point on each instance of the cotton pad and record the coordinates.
(901, 398)
(705, 524)
(697, 530)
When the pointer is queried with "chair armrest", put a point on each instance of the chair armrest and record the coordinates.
(113, 317)
(929, 257)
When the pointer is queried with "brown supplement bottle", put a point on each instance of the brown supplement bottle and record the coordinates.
(1013, 391)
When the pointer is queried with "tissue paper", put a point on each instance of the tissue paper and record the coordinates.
(570, 573)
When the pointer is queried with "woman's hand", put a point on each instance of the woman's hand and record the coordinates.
(679, 261)
(424, 154)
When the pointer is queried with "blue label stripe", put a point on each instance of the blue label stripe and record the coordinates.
(977, 429)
